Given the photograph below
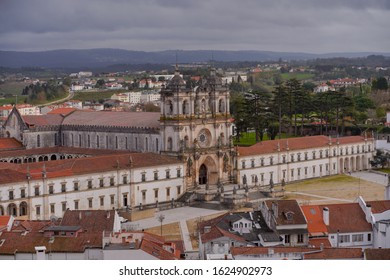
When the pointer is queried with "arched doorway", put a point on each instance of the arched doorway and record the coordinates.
(23, 209)
(203, 175)
(12, 211)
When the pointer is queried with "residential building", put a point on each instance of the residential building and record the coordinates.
(286, 218)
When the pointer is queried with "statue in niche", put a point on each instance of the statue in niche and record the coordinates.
(225, 163)
(203, 106)
(189, 167)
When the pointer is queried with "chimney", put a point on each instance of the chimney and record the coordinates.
(325, 215)
(368, 213)
(275, 208)
(40, 251)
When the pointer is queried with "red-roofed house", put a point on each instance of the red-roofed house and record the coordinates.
(287, 219)
(6, 223)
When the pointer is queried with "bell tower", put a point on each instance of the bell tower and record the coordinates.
(196, 127)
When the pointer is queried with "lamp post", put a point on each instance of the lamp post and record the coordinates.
(161, 218)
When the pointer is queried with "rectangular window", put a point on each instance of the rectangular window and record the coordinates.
(76, 205)
(143, 178)
(299, 157)
(76, 186)
(112, 182)
(300, 238)
(292, 172)
(90, 202)
(178, 173)
(284, 159)
(124, 179)
(314, 170)
(243, 164)
(112, 199)
(102, 201)
(314, 154)
(262, 177)
(63, 187)
(36, 191)
(262, 162)
(292, 158)
(299, 172)
(156, 194)
(167, 174)
(11, 195)
(155, 176)
(143, 195)
(357, 237)
(63, 204)
(344, 239)
(22, 193)
(89, 184)
(125, 199)
(252, 163)
(51, 189)
(178, 190)
(369, 237)
(38, 210)
(287, 239)
(320, 167)
(306, 156)
(321, 154)
(168, 192)
(271, 160)
(101, 183)
(305, 170)
(52, 208)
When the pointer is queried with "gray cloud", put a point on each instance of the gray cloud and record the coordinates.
(280, 25)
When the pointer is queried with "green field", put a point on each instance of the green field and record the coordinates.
(95, 95)
(298, 76)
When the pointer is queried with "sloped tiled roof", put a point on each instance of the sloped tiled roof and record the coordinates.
(90, 220)
(115, 119)
(379, 206)
(26, 243)
(315, 222)
(217, 232)
(43, 120)
(78, 166)
(4, 220)
(347, 217)
(62, 111)
(292, 144)
(156, 250)
(285, 207)
(377, 254)
(10, 144)
(335, 253)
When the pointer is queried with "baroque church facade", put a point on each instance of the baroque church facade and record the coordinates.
(194, 124)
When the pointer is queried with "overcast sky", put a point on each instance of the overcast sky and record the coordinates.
(314, 26)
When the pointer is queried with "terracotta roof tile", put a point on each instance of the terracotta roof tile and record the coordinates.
(78, 166)
(90, 220)
(4, 220)
(318, 242)
(347, 217)
(315, 222)
(26, 243)
(43, 120)
(299, 143)
(377, 254)
(284, 208)
(116, 119)
(379, 206)
(308, 253)
(10, 144)
(156, 250)
(335, 253)
(62, 111)
(217, 232)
